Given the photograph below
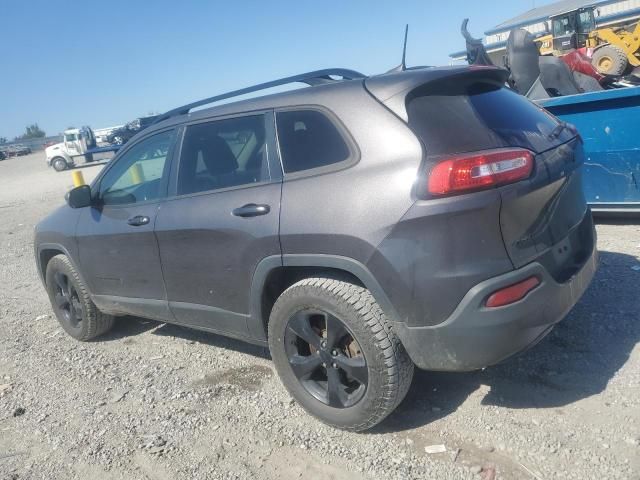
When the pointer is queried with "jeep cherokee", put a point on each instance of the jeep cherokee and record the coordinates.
(357, 227)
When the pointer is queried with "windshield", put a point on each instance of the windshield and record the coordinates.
(586, 22)
(564, 25)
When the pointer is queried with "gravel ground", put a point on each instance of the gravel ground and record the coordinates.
(156, 401)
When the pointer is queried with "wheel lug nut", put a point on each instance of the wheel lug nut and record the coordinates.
(334, 352)
(324, 365)
(334, 365)
(323, 344)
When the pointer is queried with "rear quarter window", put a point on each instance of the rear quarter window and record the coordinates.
(461, 118)
(308, 140)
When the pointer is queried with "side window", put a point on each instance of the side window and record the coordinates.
(308, 139)
(222, 154)
(137, 175)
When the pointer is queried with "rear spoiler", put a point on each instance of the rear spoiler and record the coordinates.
(392, 89)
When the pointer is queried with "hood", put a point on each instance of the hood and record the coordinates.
(53, 149)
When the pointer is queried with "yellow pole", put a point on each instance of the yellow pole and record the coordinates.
(137, 175)
(78, 179)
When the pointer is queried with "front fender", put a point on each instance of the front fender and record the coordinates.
(56, 233)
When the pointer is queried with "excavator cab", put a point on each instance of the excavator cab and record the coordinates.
(571, 30)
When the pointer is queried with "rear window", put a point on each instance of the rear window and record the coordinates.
(308, 139)
(481, 116)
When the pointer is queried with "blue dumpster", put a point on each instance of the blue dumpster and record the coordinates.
(609, 123)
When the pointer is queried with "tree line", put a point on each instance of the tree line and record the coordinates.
(31, 131)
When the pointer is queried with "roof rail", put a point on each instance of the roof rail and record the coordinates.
(317, 77)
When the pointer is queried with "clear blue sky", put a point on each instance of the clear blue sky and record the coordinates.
(105, 62)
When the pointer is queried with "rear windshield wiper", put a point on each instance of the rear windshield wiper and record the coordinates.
(555, 133)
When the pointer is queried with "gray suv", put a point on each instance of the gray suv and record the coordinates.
(357, 227)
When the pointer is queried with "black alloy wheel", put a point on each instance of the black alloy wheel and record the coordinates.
(67, 301)
(71, 301)
(336, 353)
(325, 358)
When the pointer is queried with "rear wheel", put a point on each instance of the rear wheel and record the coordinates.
(610, 60)
(59, 164)
(71, 302)
(336, 353)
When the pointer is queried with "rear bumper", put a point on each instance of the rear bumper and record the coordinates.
(475, 337)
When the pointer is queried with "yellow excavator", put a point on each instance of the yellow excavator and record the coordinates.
(615, 49)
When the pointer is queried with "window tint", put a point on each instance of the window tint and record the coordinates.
(308, 139)
(564, 25)
(463, 118)
(137, 175)
(586, 22)
(222, 154)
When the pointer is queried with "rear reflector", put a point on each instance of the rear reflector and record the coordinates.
(480, 170)
(512, 293)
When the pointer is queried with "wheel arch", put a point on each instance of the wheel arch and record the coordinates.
(275, 274)
(46, 252)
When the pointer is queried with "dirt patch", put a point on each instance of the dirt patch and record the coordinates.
(248, 378)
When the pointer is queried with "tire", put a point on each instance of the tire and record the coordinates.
(59, 164)
(610, 60)
(380, 369)
(71, 303)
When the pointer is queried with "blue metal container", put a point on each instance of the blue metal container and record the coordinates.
(609, 123)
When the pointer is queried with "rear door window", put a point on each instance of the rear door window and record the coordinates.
(480, 116)
(308, 139)
(223, 154)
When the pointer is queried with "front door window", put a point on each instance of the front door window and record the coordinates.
(137, 176)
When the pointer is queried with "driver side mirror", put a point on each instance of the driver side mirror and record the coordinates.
(79, 197)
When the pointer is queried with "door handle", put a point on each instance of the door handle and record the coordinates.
(251, 210)
(138, 220)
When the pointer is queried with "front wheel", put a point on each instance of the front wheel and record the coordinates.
(74, 309)
(610, 60)
(59, 164)
(336, 354)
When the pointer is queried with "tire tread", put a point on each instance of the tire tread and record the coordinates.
(98, 323)
(399, 367)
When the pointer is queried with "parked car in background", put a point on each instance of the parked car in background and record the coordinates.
(3, 156)
(357, 227)
(122, 135)
(102, 134)
(16, 150)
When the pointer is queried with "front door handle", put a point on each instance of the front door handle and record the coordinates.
(251, 210)
(138, 220)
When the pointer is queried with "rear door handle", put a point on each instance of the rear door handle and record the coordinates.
(138, 220)
(251, 210)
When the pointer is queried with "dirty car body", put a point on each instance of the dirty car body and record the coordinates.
(456, 204)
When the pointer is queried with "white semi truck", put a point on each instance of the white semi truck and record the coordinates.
(78, 143)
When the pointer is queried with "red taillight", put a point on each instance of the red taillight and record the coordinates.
(512, 293)
(480, 170)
